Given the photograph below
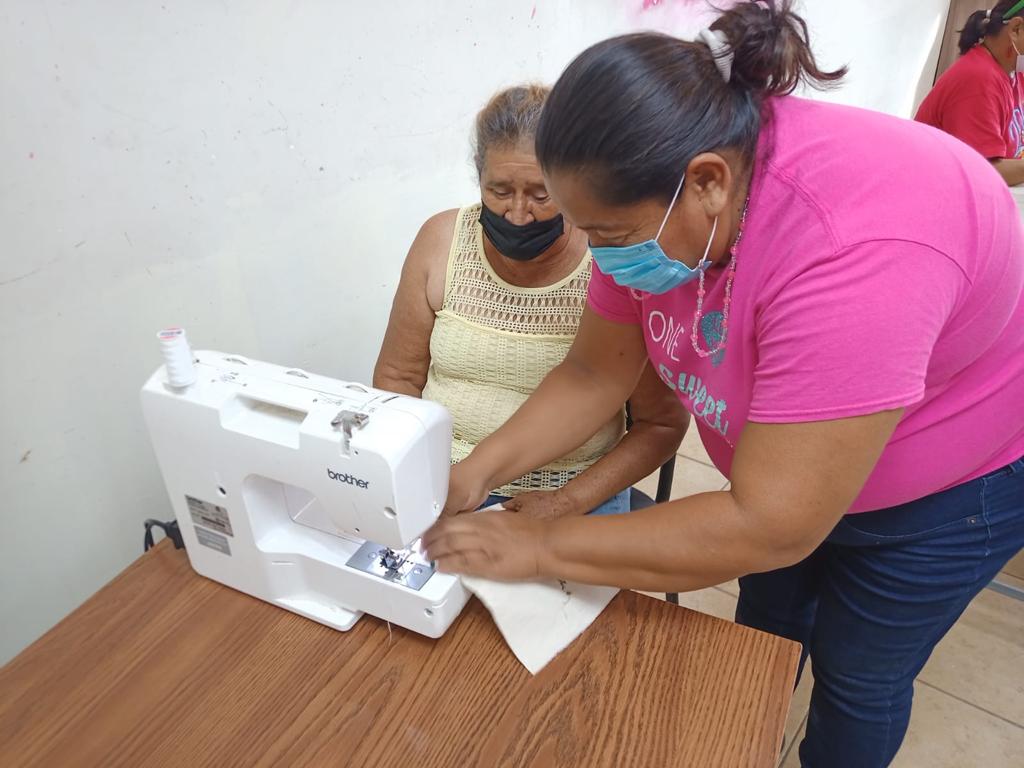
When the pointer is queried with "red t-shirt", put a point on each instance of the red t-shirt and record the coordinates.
(978, 103)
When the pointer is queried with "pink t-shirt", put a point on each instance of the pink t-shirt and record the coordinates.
(881, 267)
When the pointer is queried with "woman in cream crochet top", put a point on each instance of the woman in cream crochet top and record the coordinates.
(488, 303)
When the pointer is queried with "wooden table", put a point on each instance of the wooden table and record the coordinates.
(163, 667)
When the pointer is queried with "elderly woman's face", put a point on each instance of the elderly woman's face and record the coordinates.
(512, 186)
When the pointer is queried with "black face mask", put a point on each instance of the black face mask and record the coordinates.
(520, 242)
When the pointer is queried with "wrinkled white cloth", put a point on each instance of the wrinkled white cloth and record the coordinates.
(539, 620)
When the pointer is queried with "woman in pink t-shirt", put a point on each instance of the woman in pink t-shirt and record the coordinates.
(836, 297)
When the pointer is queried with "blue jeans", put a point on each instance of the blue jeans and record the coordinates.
(872, 601)
(616, 505)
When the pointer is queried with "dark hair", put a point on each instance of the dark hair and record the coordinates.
(984, 23)
(633, 111)
(510, 117)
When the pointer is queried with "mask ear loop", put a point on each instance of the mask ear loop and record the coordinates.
(670, 207)
(704, 259)
(714, 227)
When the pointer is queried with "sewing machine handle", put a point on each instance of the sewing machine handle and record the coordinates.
(274, 416)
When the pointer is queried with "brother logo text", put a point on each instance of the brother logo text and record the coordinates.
(347, 479)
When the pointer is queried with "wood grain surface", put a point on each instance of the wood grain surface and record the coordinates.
(165, 668)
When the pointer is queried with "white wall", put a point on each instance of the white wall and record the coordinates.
(253, 171)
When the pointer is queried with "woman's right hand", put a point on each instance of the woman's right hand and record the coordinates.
(467, 489)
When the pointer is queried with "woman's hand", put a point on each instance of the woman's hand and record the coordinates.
(498, 545)
(543, 505)
(467, 489)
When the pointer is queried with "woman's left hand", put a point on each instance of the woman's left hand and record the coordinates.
(499, 545)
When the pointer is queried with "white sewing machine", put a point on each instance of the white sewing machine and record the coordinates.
(301, 490)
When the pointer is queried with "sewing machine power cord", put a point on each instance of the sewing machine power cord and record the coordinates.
(170, 529)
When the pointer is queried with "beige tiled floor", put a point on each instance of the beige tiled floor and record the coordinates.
(694, 471)
(968, 700)
(690, 477)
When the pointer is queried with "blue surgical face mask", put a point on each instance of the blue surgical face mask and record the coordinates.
(644, 266)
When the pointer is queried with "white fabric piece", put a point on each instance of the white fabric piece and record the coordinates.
(539, 620)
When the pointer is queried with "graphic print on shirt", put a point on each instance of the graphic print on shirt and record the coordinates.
(667, 333)
(1017, 131)
(711, 329)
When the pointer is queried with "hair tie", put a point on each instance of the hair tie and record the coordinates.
(987, 19)
(721, 51)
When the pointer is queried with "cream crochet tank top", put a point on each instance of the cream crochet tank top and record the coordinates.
(492, 344)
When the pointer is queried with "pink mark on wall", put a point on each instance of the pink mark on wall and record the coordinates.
(678, 16)
(534, 12)
(31, 155)
(648, 4)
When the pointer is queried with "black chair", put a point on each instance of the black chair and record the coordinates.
(640, 500)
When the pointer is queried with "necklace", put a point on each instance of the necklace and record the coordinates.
(699, 313)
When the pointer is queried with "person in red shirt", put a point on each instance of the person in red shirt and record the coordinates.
(978, 99)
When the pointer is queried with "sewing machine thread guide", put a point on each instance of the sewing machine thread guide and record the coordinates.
(347, 421)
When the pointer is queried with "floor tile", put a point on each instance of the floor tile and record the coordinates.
(948, 733)
(732, 587)
(981, 659)
(798, 707)
(693, 448)
(690, 477)
(711, 601)
(1010, 581)
(791, 754)
(945, 733)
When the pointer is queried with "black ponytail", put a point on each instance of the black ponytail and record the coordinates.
(982, 24)
(633, 111)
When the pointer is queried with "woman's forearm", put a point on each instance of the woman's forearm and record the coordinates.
(1012, 170)
(683, 545)
(565, 411)
(791, 485)
(640, 452)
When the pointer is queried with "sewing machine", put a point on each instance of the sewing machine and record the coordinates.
(301, 490)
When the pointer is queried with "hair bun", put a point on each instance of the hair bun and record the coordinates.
(772, 48)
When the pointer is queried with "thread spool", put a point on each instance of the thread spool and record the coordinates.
(181, 371)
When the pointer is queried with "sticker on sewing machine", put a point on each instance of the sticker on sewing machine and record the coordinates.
(209, 515)
(213, 540)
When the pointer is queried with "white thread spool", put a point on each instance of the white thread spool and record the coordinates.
(181, 372)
